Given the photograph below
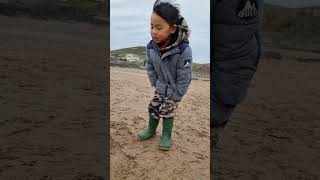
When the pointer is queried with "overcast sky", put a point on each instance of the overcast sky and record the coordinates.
(130, 24)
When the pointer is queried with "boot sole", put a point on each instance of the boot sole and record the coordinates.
(164, 148)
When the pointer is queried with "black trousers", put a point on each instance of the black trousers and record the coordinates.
(220, 113)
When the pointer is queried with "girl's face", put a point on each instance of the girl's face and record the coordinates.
(160, 30)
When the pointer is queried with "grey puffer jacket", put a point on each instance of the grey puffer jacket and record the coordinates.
(170, 72)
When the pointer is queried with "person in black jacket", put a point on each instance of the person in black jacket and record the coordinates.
(236, 52)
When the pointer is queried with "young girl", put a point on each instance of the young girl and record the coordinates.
(169, 61)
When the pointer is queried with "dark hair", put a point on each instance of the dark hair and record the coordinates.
(168, 12)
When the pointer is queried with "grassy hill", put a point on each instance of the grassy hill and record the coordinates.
(201, 70)
(139, 51)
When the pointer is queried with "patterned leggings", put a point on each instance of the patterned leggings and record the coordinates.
(160, 107)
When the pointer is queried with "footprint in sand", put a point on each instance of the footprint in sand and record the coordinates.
(197, 133)
(137, 120)
(198, 155)
(183, 151)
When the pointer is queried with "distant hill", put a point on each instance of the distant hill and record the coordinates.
(201, 70)
(133, 57)
(139, 51)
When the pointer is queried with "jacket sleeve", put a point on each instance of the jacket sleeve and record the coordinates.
(152, 74)
(184, 75)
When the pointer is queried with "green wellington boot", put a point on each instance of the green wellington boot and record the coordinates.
(165, 142)
(151, 131)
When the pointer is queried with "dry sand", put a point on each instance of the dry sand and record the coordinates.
(189, 157)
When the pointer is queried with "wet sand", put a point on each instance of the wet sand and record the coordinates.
(275, 132)
(52, 81)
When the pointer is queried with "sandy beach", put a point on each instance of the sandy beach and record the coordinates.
(189, 157)
(53, 114)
